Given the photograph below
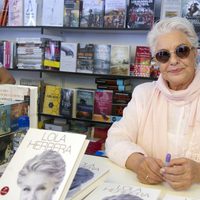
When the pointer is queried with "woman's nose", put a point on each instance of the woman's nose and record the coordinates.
(173, 58)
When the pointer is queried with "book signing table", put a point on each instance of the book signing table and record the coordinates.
(126, 177)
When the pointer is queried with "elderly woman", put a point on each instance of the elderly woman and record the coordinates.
(41, 176)
(163, 116)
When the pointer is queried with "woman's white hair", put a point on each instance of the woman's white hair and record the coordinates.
(168, 25)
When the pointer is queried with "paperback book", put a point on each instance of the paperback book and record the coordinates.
(30, 12)
(47, 159)
(109, 191)
(90, 174)
(91, 13)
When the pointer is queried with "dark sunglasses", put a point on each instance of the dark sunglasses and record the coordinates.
(182, 51)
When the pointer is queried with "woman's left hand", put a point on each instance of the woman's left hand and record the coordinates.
(181, 173)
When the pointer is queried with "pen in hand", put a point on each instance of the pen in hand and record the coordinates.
(167, 159)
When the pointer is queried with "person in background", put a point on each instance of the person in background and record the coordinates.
(40, 177)
(163, 116)
(5, 76)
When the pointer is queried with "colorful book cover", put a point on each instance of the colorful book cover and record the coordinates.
(5, 111)
(52, 99)
(52, 14)
(68, 57)
(118, 88)
(102, 58)
(15, 13)
(112, 81)
(85, 58)
(52, 55)
(109, 191)
(45, 159)
(92, 13)
(90, 174)
(120, 60)
(84, 103)
(115, 14)
(140, 14)
(121, 97)
(66, 102)
(71, 13)
(170, 8)
(102, 105)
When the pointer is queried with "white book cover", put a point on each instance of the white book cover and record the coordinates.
(53, 11)
(68, 57)
(10, 92)
(110, 191)
(120, 60)
(30, 12)
(170, 8)
(175, 197)
(15, 13)
(43, 166)
(90, 174)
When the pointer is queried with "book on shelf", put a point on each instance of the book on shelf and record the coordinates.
(44, 158)
(91, 13)
(140, 14)
(102, 58)
(102, 105)
(118, 88)
(117, 109)
(4, 12)
(71, 13)
(112, 81)
(109, 191)
(30, 12)
(28, 94)
(66, 103)
(170, 8)
(115, 14)
(120, 60)
(90, 174)
(121, 97)
(52, 55)
(68, 57)
(52, 12)
(191, 11)
(142, 62)
(176, 197)
(15, 13)
(84, 103)
(52, 98)
(5, 113)
(85, 58)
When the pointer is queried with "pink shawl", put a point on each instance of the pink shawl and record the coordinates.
(153, 129)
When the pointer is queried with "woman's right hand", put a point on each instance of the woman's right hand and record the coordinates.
(146, 168)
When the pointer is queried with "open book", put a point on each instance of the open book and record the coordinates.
(90, 174)
(110, 191)
(43, 166)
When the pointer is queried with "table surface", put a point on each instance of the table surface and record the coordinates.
(124, 176)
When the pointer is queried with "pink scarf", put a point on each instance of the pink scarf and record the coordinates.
(153, 128)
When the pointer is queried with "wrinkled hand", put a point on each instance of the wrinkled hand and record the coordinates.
(148, 171)
(181, 173)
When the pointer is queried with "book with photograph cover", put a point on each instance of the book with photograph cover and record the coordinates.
(5, 111)
(90, 174)
(52, 98)
(102, 105)
(120, 60)
(68, 57)
(140, 14)
(85, 58)
(66, 102)
(191, 11)
(71, 13)
(84, 103)
(45, 159)
(110, 191)
(102, 58)
(91, 13)
(52, 55)
(115, 14)
(170, 8)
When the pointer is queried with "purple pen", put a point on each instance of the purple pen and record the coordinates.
(167, 159)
